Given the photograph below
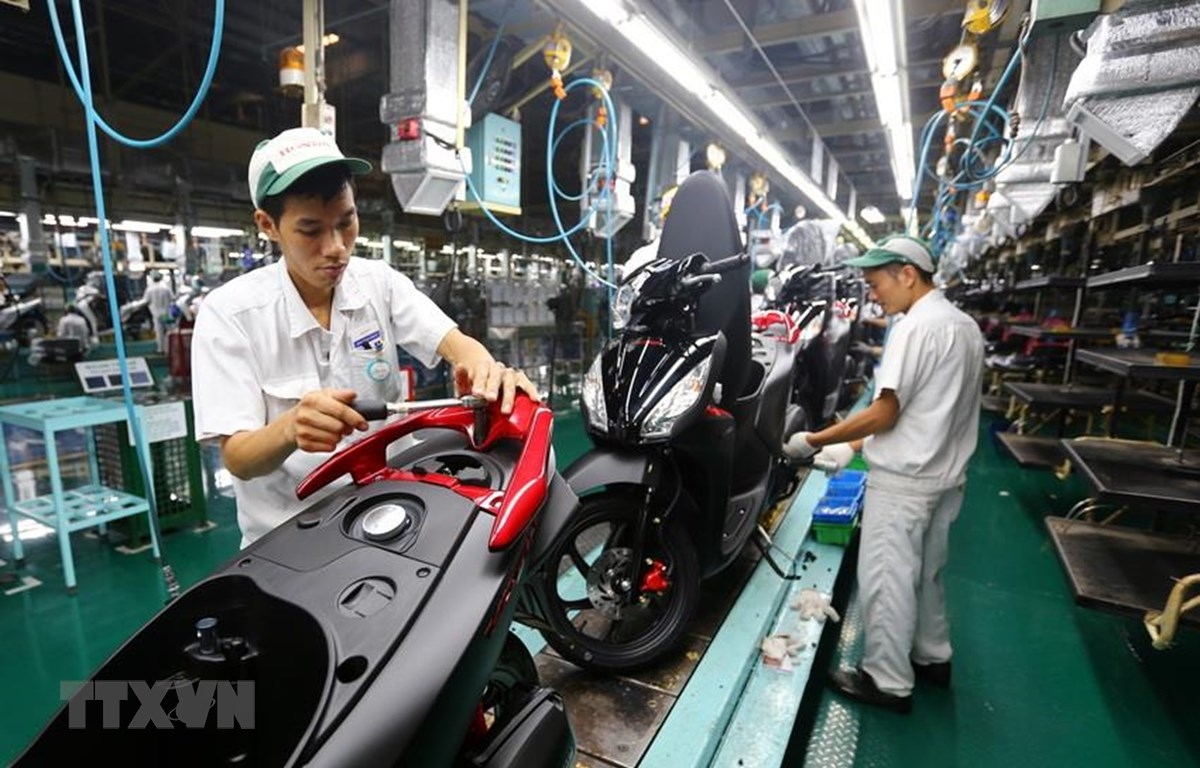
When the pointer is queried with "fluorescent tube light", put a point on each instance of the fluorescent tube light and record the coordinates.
(148, 227)
(217, 232)
(872, 215)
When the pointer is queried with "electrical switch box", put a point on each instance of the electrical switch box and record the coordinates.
(1056, 17)
(495, 144)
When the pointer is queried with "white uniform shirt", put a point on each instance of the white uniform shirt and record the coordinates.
(159, 299)
(257, 349)
(933, 361)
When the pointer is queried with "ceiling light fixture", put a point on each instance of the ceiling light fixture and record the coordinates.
(872, 215)
(698, 80)
(883, 39)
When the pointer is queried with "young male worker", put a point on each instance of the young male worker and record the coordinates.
(917, 437)
(280, 354)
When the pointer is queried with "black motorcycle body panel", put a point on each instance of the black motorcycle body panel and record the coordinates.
(364, 651)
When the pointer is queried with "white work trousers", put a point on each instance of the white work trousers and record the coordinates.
(903, 549)
(160, 332)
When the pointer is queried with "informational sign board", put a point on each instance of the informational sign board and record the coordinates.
(99, 376)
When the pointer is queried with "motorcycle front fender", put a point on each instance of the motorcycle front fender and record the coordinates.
(605, 466)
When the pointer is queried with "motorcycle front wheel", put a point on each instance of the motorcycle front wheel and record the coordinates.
(595, 620)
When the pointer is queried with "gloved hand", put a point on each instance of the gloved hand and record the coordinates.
(797, 447)
(834, 458)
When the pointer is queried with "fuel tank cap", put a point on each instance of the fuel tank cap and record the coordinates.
(385, 522)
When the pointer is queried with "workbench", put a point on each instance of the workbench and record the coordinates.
(1138, 473)
(1141, 364)
(1125, 570)
(1032, 396)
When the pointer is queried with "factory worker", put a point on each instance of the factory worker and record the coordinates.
(159, 300)
(280, 354)
(917, 436)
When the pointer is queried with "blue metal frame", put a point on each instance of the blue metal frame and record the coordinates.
(90, 506)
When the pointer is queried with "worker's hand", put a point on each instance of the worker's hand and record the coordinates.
(492, 380)
(863, 348)
(834, 458)
(797, 447)
(322, 418)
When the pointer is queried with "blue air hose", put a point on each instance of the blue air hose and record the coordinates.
(83, 88)
(84, 94)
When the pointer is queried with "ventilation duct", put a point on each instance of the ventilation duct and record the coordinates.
(421, 109)
(1140, 77)
(1042, 127)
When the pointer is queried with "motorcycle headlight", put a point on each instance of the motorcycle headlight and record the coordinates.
(593, 397)
(623, 300)
(677, 401)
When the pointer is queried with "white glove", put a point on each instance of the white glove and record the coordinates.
(797, 447)
(813, 605)
(834, 458)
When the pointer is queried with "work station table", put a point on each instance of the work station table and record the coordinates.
(1143, 364)
(1138, 473)
(1124, 570)
(1055, 334)
(1038, 451)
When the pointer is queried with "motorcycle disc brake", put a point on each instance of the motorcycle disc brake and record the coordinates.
(610, 581)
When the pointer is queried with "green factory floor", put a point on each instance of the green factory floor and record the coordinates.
(1038, 681)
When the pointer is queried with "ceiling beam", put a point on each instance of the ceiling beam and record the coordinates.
(763, 102)
(841, 128)
(841, 22)
(733, 39)
(808, 73)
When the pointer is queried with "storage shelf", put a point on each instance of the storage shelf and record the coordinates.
(1152, 274)
(84, 507)
(1050, 281)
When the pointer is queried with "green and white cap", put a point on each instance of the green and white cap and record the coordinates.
(278, 162)
(897, 249)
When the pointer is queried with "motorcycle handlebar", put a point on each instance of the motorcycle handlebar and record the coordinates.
(695, 280)
(727, 264)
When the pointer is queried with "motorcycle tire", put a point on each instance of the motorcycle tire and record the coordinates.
(591, 556)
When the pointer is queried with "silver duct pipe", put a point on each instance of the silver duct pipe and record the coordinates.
(1140, 77)
(421, 108)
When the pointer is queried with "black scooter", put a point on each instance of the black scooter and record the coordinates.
(373, 626)
(821, 306)
(688, 418)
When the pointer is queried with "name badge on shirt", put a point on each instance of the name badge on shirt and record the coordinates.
(368, 341)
